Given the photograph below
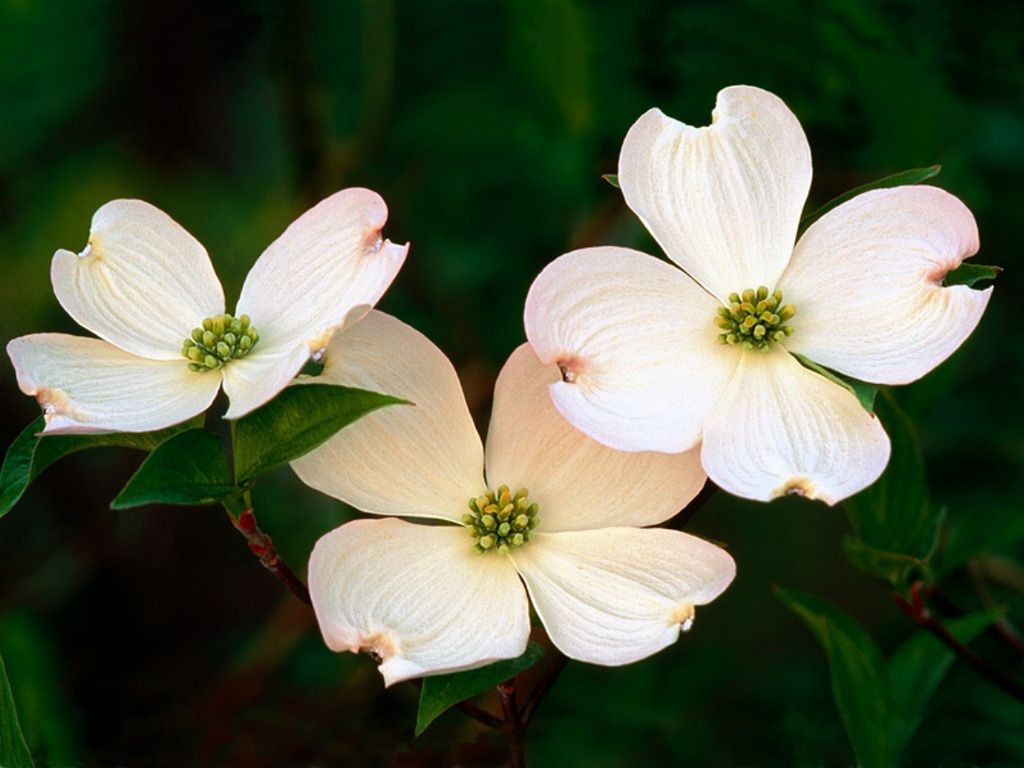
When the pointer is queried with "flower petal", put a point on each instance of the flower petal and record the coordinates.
(142, 283)
(866, 281)
(782, 429)
(254, 380)
(617, 595)
(417, 597)
(578, 482)
(724, 201)
(637, 343)
(329, 260)
(421, 460)
(87, 385)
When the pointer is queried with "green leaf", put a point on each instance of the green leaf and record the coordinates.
(295, 422)
(913, 176)
(442, 692)
(37, 673)
(612, 179)
(894, 567)
(190, 468)
(981, 530)
(859, 685)
(968, 274)
(862, 390)
(894, 514)
(31, 453)
(918, 666)
(13, 749)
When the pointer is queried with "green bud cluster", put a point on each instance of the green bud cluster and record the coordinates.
(217, 341)
(755, 319)
(501, 521)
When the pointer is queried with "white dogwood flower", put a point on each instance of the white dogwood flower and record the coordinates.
(660, 358)
(147, 288)
(558, 512)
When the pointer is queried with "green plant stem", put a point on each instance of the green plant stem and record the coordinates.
(916, 609)
(513, 724)
(261, 545)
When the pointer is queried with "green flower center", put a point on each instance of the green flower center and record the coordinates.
(501, 521)
(219, 340)
(754, 319)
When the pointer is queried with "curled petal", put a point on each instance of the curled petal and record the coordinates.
(87, 385)
(617, 595)
(421, 460)
(254, 380)
(782, 429)
(723, 201)
(637, 343)
(866, 280)
(417, 597)
(328, 261)
(578, 482)
(142, 283)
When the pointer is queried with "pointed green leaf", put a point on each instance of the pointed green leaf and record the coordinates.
(188, 469)
(612, 179)
(968, 274)
(894, 514)
(295, 422)
(442, 692)
(31, 453)
(913, 176)
(862, 390)
(976, 532)
(37, 673)
(859, 686)
(918, 666)
(13, 749)
(894, 567)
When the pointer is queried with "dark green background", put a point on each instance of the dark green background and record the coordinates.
(151, 637)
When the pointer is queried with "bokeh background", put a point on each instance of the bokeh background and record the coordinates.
(152, 638)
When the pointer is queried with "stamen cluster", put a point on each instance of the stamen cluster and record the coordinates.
(219, 340)
(501, 521)
(755, 319)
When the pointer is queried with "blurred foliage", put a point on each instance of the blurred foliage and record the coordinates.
(151, 636)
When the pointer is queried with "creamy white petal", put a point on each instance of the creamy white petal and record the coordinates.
(421, 460)
(578, 482)
(638, 343)
(328, 261)
(254, 380)
(87, 385)
(782, 429)
(724, 201)
(142, 283)
(417, 597)
(866, 281)
(616, 595)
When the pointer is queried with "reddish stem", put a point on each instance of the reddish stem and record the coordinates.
(262, 546)
(917, 610)
(513, 724)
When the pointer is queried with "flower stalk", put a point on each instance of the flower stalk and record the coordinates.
(262, 546)
(916, 608)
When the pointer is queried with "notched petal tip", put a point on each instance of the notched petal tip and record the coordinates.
(571, 367)
(53, 402)
(380, 646)
(684, 615)
(804, 488)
